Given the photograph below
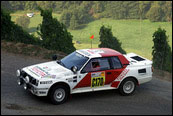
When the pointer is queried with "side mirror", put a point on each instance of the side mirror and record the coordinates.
(54, 57)
(74, 69)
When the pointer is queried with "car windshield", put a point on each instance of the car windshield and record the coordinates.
(74, 59)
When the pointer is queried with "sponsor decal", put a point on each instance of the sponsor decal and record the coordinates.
(70, 79)
(33, 72)
(74, 79)
(46, 68)
(122, 75)
(85, 52)
(97, 79)
(50, 76)
(39, 71)
(45, 82)
(95, 51)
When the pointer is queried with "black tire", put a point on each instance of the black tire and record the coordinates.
(59, 94)
(127, 87)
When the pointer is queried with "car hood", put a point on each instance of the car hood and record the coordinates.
(48, 70)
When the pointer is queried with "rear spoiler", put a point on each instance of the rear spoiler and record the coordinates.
(134, 58)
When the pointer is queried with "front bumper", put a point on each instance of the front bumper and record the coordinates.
(31, 87)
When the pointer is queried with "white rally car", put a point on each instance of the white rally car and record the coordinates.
(86, 70)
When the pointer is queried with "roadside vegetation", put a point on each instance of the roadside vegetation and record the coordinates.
(69, 25)
(162, 54)
(129, 32)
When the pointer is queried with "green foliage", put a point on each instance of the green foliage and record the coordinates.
(74, 22)
(144, 7)
(75, 18)
(155, 14)
(17, 5)
(5, 25)
(30, 5)
(153, 10)
(108, 40)
(54, 33)
(12, 32)
(23, 21)
(167, 8)
(45, 4)
(162, 55)
(65, 18)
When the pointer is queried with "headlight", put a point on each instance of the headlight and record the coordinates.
(18, 73)
(25, 86)
(27, 79)
(19, 81)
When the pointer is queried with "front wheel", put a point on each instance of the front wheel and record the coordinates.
(127, 87)
(59, 94)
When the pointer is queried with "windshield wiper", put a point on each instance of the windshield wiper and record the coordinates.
(61, 63)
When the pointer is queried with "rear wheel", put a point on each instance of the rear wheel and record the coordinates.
(59, 94)
(128, 86)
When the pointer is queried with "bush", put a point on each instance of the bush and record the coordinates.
(23, 21)
(162, 55)
(109, 41)
(155, 14)
(78, 16)
(12, 32)
(54, 33)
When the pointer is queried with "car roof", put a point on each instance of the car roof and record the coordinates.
(98, 52)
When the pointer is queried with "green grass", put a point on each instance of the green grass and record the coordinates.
(128, 32)
(134, 37)
(34, 21)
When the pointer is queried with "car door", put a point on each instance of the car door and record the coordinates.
(116, 69)
(99, 72)
(96, 70)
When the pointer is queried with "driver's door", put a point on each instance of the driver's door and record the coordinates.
(93, 75)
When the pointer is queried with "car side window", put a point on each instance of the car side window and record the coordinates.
(116, 63)
(97, 65)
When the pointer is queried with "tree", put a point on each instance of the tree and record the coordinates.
(12, 32)
(153, 10)
(108, 40)
(17, 5)
(65, 18)
(168, 10)
(74, 22)
(54, 34)
(144, 6)
(5, 25)
(162, 55)
(30, 5)
(23, 21)
(155, 13)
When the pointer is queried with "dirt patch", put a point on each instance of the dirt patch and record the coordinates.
(164, 75)
(14, 107)
(30, 50)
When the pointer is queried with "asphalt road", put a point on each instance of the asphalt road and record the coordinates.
(154, 97)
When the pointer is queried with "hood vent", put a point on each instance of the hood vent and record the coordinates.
(137, 58)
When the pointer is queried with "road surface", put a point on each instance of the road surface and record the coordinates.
(154, 97)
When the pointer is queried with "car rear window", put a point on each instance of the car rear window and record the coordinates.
(116, 63)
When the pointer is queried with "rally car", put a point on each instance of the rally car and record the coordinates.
(86, 70)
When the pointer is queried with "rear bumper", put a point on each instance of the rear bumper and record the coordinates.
(144, 79)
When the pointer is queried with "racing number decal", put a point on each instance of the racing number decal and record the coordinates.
(97, 79)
